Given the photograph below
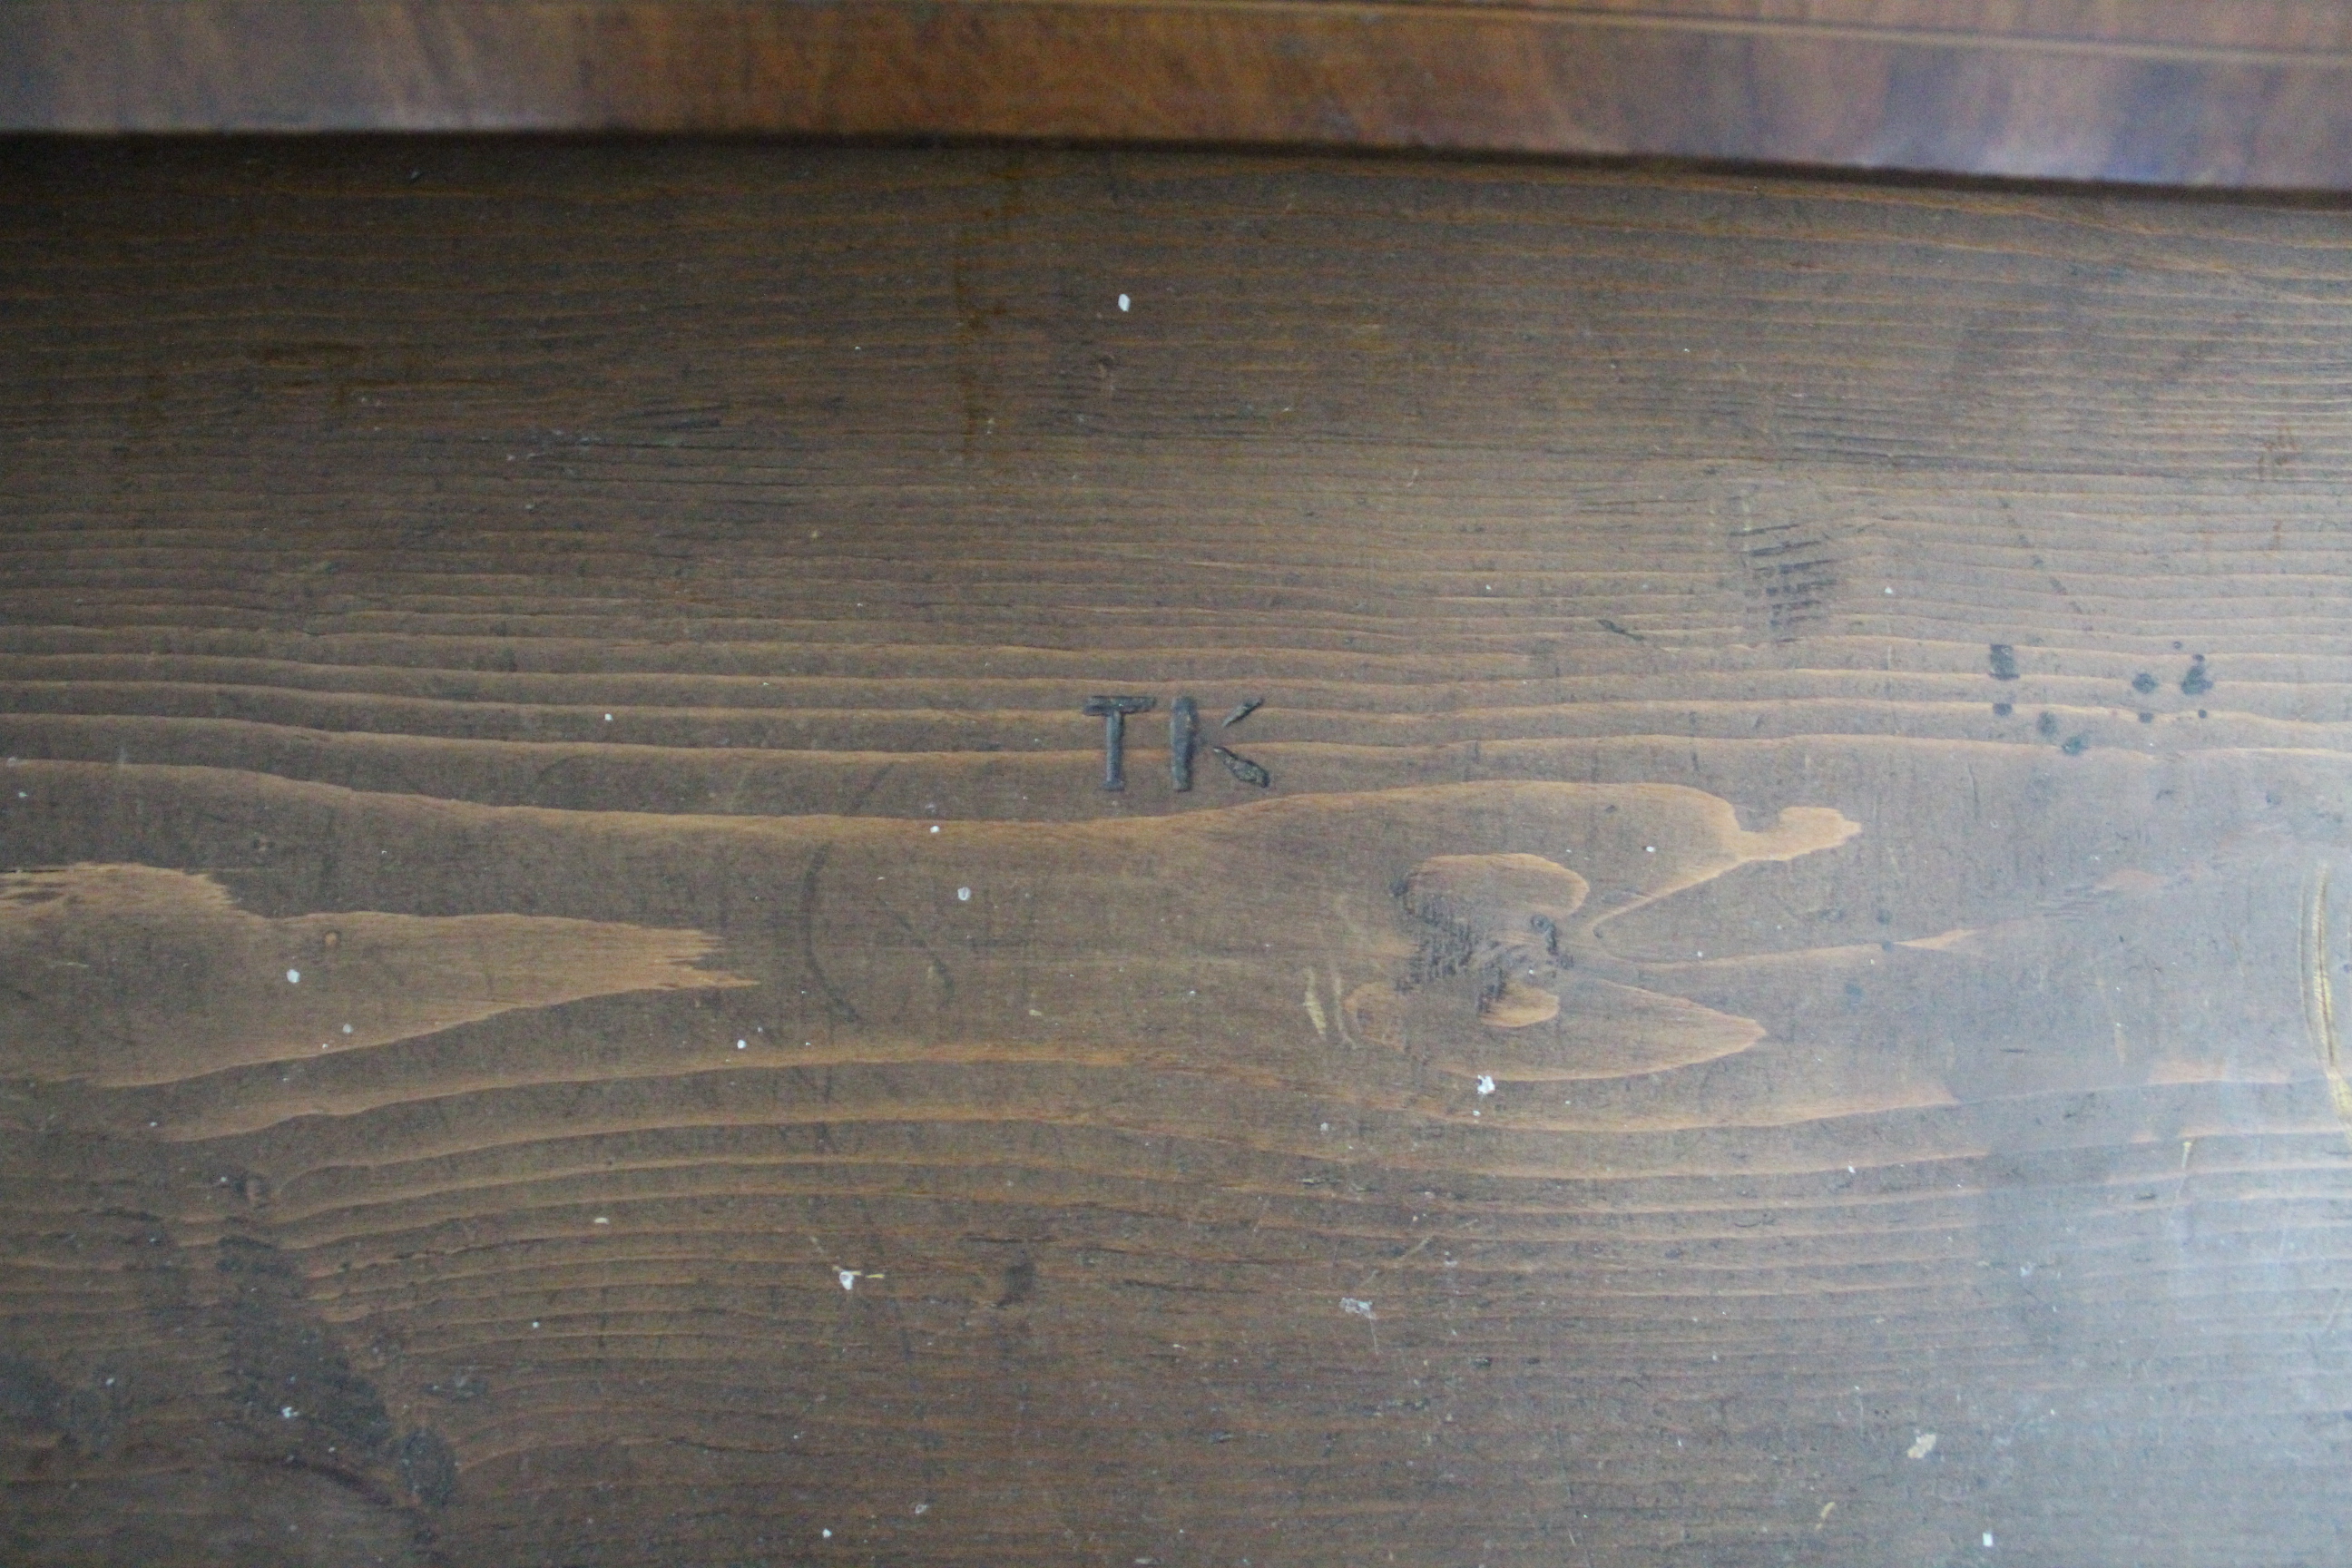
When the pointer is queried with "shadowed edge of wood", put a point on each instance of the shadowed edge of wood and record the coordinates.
(1986, 92)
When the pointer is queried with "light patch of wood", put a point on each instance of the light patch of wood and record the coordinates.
(1519, 1006)
(1711, 842)
(129, 974)
(1597, 1030)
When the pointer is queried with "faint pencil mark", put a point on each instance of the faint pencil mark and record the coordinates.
(1183, 736)
(1609, 626)
(1241, 711)
(857, 802)
(836, 1003)
(1113, 712)
(940, 970)
(1242, 768)
(1340, 1011)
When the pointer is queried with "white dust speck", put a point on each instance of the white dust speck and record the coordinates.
(288, 1411)
(608, 718)
(1124, 302)
(534, 1322)
(934, 827)
(963, 894)
(347, 1028)
(826, 1533)
(742, 1044)
(1485, 1084)
(849, 1278)
(1923, 1446)
(1358, 1309)
(1988, 1540)
(922, 1508)
(293, 978)
(602, 1220)
(1649, 849)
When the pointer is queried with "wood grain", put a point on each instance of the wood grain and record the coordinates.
(2229, 92)
(1779, 1002)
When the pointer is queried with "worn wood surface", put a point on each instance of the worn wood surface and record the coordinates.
(2229, 92)
(569, 994)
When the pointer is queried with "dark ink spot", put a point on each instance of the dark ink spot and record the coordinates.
(1020, 1283)
(427, 1467)
(1242, 768)
(2142, 683)
(1241, 711)
(1546, 928)
(280, 1361)
(2200, 713)
(1609, 626)
(2046, 726)
(2004, 661)
(2197, 681)
(2145, 717)
(2001, 709)
(89, 1418)
(2076, 745)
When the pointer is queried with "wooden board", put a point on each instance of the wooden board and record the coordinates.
(2222, 92)
(570, 993)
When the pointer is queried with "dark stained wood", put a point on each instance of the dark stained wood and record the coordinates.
(1780, 1004)
(2229, 92)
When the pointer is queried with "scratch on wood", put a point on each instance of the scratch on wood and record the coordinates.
(836, 1003)
(2319, 998)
